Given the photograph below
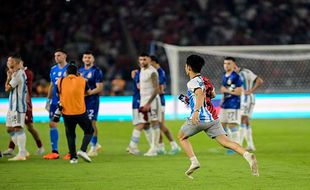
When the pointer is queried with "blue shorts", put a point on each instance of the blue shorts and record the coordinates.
(92, 110)
(53, 108)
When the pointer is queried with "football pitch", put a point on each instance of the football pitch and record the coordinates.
(283, 153)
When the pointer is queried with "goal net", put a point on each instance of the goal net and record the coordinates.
(284, 69)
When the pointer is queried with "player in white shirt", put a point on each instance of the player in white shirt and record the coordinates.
(250, 83)
(202, 120)
(150, 101)
(15, 120)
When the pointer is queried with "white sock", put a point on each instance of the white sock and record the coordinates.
(14, 137)
(148, 135)
(247, 156)
(21, 142)
(194, 160)
(155, 136)
(174, 145)
(235, 135)
(135, 138)
(243, 134)
(250, 137)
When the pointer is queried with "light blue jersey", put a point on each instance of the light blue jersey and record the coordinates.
(194, 84)
(17, 98)
(55, 74)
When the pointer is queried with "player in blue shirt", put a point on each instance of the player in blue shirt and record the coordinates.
(94, 78)
(202, 120)
(162, 85)
(57, 71)
(230, 108)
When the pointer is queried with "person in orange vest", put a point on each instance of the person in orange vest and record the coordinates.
(72, 90)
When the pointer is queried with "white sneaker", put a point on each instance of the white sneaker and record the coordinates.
(194, 166)
(84, 156)
(253, 165)
(161, 151)
(151, 152)
(92, 152)
(8, 152)
(133, 150)
(40, 151)
(74, 161)
(17, 158)
(175, 150)
(98, 147)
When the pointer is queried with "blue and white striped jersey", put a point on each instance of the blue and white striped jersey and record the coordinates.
(18, 94)
(194, 84)
(248, 78)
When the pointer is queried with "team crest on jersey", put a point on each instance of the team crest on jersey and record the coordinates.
(229, 81)
(59, 73)
(89, 75)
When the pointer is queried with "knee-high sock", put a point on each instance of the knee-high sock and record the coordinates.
(94, 141)
(21, 142)
(135, 137)
(54, 139)
(249, 137)
(235, 136)
(155, 136)
(13, 137)
(243, 133)
(148, 135)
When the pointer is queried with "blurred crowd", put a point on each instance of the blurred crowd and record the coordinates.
(116, 31)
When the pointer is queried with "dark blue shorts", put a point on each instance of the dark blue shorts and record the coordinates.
(92, 110)
(52, 110)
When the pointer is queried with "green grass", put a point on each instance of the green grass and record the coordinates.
(283, 153)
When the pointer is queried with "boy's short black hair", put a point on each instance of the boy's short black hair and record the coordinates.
(196, 62)
(230, 59)
(154, 58)
(61, 50)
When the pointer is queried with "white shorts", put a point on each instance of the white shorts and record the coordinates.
(156, 110)
(15, 119)
(247, 105)
(137, 117)
(230, 116)
(163, 109)
(247, 109)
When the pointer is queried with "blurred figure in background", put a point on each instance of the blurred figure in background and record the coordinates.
(57, 71)
(230, 105)
(15, 120)
(250, 83)
(162, 85)
(94, 78)
(72, 90)
(28, 117)
(118, 85)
